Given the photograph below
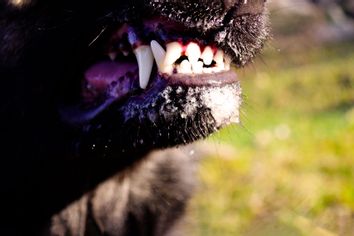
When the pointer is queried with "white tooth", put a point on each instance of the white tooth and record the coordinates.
(197, 67)
(218, 69)
(207, 70)
(112, 55)
(173, 52)
(221, 66)
(125, 53)
(145, 62)
(193, 52)
(219, 57)
(207, 56)
(159, 54)
(215, 69)
(168, 69)
(185, 67)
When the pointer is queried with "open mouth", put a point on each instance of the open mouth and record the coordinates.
(142, 63)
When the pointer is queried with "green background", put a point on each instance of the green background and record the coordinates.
(288, 169)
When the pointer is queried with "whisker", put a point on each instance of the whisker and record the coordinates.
(98, 36)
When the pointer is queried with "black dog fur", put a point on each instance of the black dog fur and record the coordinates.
(56, 178)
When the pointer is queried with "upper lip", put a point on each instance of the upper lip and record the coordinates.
(161, 43)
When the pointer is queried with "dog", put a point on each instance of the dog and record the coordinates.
(95, 95)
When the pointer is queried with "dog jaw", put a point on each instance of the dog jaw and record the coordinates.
(148, 120)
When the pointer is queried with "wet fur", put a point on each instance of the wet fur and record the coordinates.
(57, 179)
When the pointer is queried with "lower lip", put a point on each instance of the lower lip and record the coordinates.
(79, 115)
(213, 79)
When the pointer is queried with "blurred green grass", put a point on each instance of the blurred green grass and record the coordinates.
(288, 169)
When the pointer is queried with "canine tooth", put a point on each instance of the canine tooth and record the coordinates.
(197, 67)
(207, 56)
(173, 52)
(185, 67)
(193, 52)
(145, 60)
(159, 54)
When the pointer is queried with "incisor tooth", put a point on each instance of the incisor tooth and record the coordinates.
(168, 69)
(197, 67)
(207, 70)
(185, 67)
(218, 69)
(220, 66)
(159, 54)
(173, 52)
(145, 62)
(207, 56)
(193, 52)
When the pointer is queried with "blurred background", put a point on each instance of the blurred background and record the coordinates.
(288, 169)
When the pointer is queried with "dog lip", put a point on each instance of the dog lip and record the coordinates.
(79, 114)
(213, 79)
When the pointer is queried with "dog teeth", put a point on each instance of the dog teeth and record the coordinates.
(185, 67)
(174, 51)
(208, 70)
(112, 55)
(207, 56)
(219, 57)
(193, 52)
(145, 59)
(218, 68)
(197, 67)
(159, 54)
(197, 62)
